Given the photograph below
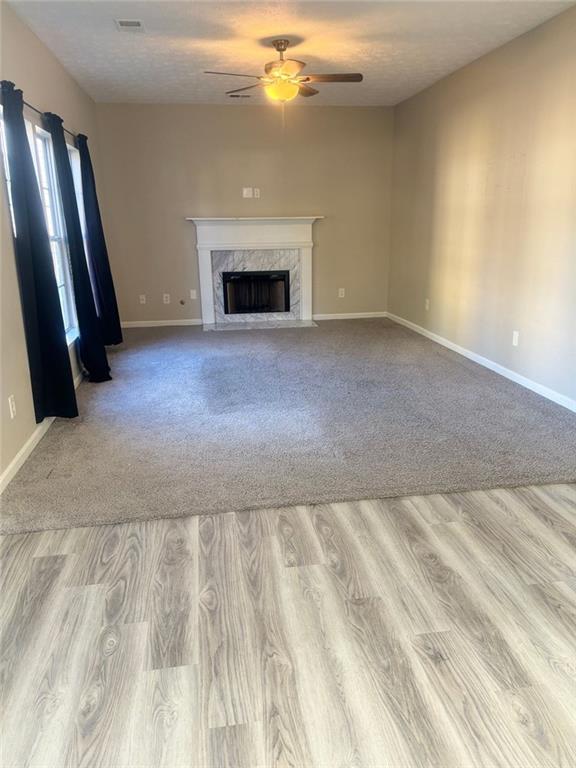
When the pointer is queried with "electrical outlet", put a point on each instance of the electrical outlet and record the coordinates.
(427, 305)
(341, 293)
(142, 298)
(515, 338)
(12, 406)
(257, 192)
(247, 192)
(166, 298)
(193, 294)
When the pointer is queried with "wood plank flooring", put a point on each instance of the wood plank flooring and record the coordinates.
(435, 631)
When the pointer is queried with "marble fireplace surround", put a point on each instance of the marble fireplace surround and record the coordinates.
(255, 243)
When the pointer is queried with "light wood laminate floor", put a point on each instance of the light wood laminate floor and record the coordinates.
(425, 631)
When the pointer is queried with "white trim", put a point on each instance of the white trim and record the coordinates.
(258, 245)
(17, 462)
(540, 389)
(154, 323)
(349, 315)
(197, 321)
(249, 219)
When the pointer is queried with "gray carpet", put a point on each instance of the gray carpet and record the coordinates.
(197, 422)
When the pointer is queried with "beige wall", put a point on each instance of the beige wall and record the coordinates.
(484, 206)
(163, 163)
(47, 85)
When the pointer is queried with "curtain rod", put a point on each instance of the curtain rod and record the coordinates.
(39, 112)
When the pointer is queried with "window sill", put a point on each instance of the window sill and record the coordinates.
(72, 336)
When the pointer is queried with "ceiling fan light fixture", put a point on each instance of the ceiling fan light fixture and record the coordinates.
(282, 80)
(281, 90)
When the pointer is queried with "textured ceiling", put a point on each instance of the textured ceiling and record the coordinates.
(401, 47)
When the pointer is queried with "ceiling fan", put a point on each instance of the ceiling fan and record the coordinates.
(282, 80)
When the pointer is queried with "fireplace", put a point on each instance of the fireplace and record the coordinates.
(249, 244)
(259, 291)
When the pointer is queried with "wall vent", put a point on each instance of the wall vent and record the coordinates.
(129, 25)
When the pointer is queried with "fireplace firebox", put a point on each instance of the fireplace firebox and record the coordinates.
(254, 292)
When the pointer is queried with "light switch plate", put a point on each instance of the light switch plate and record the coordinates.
(247, 192)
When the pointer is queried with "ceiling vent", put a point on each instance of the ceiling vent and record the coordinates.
(129, 25)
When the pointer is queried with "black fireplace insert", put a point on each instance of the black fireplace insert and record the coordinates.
(262, 291)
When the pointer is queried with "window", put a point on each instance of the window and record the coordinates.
(41, 144)
(43, 158)
(7, 172)
(74, 156)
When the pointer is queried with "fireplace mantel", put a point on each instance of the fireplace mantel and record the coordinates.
(253, 233)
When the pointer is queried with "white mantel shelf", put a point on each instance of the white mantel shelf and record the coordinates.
(253, 218)
(224, 233)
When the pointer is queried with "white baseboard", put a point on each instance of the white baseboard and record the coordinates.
(18, 460)
(349, 315)
(155, 323)
(540, 389)
(12, 469)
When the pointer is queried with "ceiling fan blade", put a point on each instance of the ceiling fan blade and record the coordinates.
(247, 88)
(230, 74)
(351, 77)
(306, 90)
(290, 67)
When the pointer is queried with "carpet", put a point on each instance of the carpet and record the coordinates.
(196, 423)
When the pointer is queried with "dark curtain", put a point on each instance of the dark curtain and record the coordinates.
(102, 282)
(92, 351)
(48, 357)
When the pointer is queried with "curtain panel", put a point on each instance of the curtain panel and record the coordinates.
(92, 351)
(103, 284)
(49, 360)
